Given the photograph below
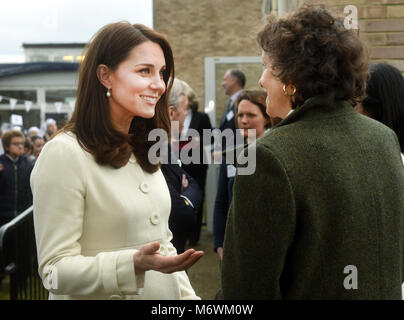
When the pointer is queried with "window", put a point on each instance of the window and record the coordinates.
(64, 96)
(20, 95)
(39, 58)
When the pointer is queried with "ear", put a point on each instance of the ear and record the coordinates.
(104, 75)
(171, 112)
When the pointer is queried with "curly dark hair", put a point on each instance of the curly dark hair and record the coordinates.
(312, 50)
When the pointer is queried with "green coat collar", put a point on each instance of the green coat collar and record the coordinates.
(317, 107)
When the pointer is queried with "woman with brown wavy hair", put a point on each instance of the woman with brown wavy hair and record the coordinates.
(100, 207)
(323, 214)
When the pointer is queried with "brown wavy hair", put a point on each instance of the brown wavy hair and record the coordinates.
(312, 50)
(256, 97)
(91, 121)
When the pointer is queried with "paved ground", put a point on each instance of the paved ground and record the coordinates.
(205, 274)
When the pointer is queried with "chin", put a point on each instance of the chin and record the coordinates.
(148, 115)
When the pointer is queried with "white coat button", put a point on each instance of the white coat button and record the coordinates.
(154, 219)
(144, 187)
(163, 250)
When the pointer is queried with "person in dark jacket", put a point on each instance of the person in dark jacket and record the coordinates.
(185, 201)
(197, 121)
(250, 115)
(322, 216)
(384, 99)
(185, 192)
(15, 171)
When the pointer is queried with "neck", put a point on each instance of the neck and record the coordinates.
(12, 157)
(121, 124)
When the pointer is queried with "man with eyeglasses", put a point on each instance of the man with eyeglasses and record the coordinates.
(15, 172)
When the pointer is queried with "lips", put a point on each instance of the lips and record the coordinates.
(152, 99)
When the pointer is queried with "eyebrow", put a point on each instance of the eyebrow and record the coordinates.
(149, 65)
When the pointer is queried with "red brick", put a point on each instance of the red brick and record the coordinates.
(387, 53)
(394, 1)
(374, 12)
(377, 39)
(395, 39)
(382, 25)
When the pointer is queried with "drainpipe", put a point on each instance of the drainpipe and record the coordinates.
(282, 6)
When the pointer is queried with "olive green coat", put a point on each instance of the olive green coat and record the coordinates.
(327, 197)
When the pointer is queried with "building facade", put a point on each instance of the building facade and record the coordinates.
(208, 37)
(43, 87)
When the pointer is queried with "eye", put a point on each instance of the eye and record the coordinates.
(162, 73)
(145, 70)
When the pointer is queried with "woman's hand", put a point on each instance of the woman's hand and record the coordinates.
(148, 258)
(219, 251)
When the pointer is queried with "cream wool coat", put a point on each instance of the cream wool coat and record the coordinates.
(89, 221)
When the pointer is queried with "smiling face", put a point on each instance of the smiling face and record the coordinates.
(278, 105)
(136, 85)
(249, 116)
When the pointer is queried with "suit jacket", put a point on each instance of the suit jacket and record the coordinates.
(224, 196)
(227, 121)
(89, 221)
(184, 204)
(326, 199)
(199, 121)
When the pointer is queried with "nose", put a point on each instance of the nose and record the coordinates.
(260, 83)
(244, 119)
(158, 84)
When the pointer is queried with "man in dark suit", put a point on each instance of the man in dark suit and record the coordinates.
(233, 83)
(184, 190)
(197, 121)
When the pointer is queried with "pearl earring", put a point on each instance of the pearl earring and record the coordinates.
(108, 93)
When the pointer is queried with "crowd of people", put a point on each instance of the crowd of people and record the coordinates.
(327, 193)
(19, 152)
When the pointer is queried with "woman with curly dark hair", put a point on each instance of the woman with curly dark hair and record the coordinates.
(323, 214)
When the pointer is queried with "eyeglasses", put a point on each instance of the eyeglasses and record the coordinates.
(17, 143)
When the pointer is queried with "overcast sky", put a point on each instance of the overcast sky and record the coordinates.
(43, 21)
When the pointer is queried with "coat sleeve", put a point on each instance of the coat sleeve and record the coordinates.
(260, 229)
(193, 192)
(220, 210)
(58, 182)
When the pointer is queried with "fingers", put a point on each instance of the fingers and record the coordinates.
(183, 261)
(150, 248)
(148, 258)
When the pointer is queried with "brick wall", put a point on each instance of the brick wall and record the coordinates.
(381, 25)
(205, 28)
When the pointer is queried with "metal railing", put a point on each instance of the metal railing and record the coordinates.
(18, 258)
